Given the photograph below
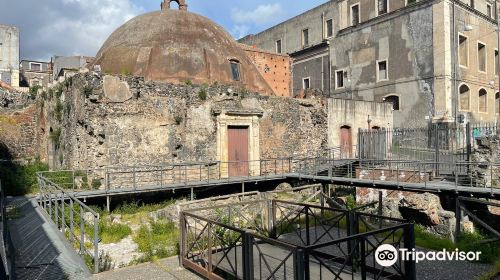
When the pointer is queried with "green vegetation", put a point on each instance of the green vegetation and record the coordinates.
(490, 252)
(126, 72)
(188, 82)
(112, 233)
(34, 91)
(58, 111)
(87, 91)
(105, 262)
(20, 179)
(202, 94)
(178, 119)
(55, 136)
(58, 91)
(158, 240)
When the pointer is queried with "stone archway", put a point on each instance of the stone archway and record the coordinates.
(166, 4)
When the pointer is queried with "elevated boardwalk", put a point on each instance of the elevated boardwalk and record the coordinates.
(42, 252)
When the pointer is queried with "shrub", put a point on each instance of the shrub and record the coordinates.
(160, 240)
(58, 111)
(20, 179)
(202, 94)
(34, 91)
(87, 91)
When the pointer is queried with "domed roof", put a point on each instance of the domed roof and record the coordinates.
(176, 46)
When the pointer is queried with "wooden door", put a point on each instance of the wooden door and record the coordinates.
(345, 142)
(238, 143)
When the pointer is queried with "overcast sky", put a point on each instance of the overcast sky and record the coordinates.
(80, 27)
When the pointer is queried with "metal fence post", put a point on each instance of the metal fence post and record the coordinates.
(96, 244)
(71, 219)
(299, 265)
(458, 217)
(82, 231)
(363, 258)
(409, 243)
(247, 256)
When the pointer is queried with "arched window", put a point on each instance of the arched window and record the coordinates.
(235, 69)
(464, 97)
(483, 100)
(497, 103)
(394, 100)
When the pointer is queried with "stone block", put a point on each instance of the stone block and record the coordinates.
(116, 90)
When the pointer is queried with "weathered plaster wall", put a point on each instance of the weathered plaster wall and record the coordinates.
(145, 122)
(405, 41)
(355, 114)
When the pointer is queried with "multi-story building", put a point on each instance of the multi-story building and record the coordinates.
(65, 66)
(9, 55)
(432, 59)
(35, 73)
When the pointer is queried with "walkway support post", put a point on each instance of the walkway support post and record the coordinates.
(247, 256)
(458, 217)
(299, 264)
(409, 243)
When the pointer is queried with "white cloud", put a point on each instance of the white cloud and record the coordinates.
(67, 27)
(263, 14)
(240, 31)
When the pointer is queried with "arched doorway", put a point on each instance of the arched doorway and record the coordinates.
(345, 141)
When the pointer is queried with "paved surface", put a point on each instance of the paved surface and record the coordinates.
(166, 269)
(41, 250)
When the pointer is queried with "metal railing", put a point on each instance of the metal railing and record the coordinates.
(7, 252)
(78, 222)
(274, 239)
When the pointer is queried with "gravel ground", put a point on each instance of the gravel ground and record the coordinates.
(450, 270)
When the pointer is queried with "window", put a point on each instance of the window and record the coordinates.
(496, 62)
(278, 46)
(355, 14)
(481, 57)
(382, 71)
(483, 100)
(394, 100)
(35, 66)
(305, 37)
(471, 3)
(381, 7)
(497, 103)
(329, 28)
(464, 97)
(235, 70)
(1, 53)
(488, 10)
(306, 83)
(409, 2)
(340, 77)
(463, 51)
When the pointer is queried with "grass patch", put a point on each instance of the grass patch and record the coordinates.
(158, 240)
(431, 241)
(492, 274)
(112, 233)
(18, 179)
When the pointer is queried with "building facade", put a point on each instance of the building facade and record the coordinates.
(9, 55)
(35, 73)
(432, 60)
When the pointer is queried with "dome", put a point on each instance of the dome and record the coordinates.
(176, 46)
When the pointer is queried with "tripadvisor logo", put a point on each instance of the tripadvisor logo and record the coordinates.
(387, 255)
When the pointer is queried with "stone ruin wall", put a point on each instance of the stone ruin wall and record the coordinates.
(97, 121)
(21, 127)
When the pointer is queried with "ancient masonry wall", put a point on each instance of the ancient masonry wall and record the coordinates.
(21, 136)
(97, 121)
